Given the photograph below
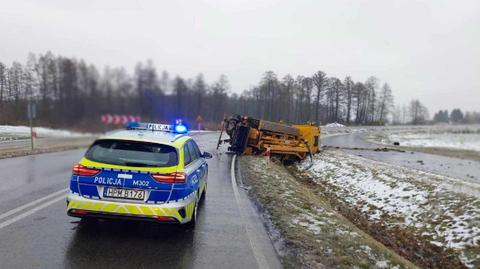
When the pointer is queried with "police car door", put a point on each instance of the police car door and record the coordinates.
(193, 165)
(204, 166)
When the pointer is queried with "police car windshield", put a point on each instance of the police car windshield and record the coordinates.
(132, 153)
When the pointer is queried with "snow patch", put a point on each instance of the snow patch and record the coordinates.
(429, 203)
(335, 125)
(9, 131)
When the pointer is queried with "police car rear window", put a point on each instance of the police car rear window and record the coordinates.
(132, 153)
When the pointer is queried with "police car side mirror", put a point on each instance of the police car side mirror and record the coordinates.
(206, 155)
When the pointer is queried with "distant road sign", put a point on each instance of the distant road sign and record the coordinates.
(31, 110)
(119, 119)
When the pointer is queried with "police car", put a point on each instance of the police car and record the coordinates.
(147, 171)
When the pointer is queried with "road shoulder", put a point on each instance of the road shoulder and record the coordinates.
(46, 146)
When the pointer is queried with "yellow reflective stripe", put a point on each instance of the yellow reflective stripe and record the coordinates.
(131, 209)
(97, 206)
(189, 211)
(85, 205)
(173, 212)
(121, 210)
(146, 211)
(109, 208)
(167, 211)
(158, 212)
(72, 204)
(176, 214)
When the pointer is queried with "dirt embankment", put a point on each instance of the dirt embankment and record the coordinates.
(430, 219)
(315, 235)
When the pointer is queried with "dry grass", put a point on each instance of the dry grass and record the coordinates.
(431, 220)
(315, 234)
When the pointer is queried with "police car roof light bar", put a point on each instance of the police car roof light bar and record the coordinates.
(179, 128)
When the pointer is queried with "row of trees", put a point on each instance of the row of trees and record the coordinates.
(317, 98)
(71, 93)
(456, 116)
(413, 113)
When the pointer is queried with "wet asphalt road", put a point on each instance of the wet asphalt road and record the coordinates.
(467, 170)
(229, 233)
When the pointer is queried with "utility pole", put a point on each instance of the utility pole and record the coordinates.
(32, 113)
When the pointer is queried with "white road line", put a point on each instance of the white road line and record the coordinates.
(259, 257)
(31, 211)
(20, 208)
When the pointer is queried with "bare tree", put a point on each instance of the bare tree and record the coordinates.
(220, 89)
(307, 85)
(319, 79)
(359, 92)
(288, 85)
(180, 89)
(385, 102)
(371, 84)
(3, 84)
(418, 112)
(200, 89)
(348, 86)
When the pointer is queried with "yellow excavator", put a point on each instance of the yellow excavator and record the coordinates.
(249, 136)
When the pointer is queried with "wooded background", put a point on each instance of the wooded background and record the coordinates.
(71, 93)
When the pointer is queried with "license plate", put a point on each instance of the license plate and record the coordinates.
(124, 193)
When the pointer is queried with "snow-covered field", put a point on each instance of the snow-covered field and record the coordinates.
(335, 125)
(327, 130)
(463, 137)
(446, 140)
(441, 210)
(8, 132)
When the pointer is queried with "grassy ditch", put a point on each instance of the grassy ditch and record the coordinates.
(315, 235)
(432, 220)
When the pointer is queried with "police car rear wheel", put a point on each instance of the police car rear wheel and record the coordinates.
(88, 221)
(204, 194)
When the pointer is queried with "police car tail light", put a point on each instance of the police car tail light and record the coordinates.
(80, 211)
(80, 170)
(177, 177)
(164, 218)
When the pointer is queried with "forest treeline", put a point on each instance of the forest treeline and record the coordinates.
(72, 93)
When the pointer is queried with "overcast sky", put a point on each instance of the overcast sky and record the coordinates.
(425, 49)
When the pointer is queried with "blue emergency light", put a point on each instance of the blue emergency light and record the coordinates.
(178, 128)
(181, 129)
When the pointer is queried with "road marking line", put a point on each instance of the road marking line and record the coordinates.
(20, 208)
(31, 211)
(259, 257)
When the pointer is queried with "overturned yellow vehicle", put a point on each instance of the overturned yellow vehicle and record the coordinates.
(251, 136)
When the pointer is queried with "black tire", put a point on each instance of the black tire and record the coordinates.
(204, 194)
(89, 222)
